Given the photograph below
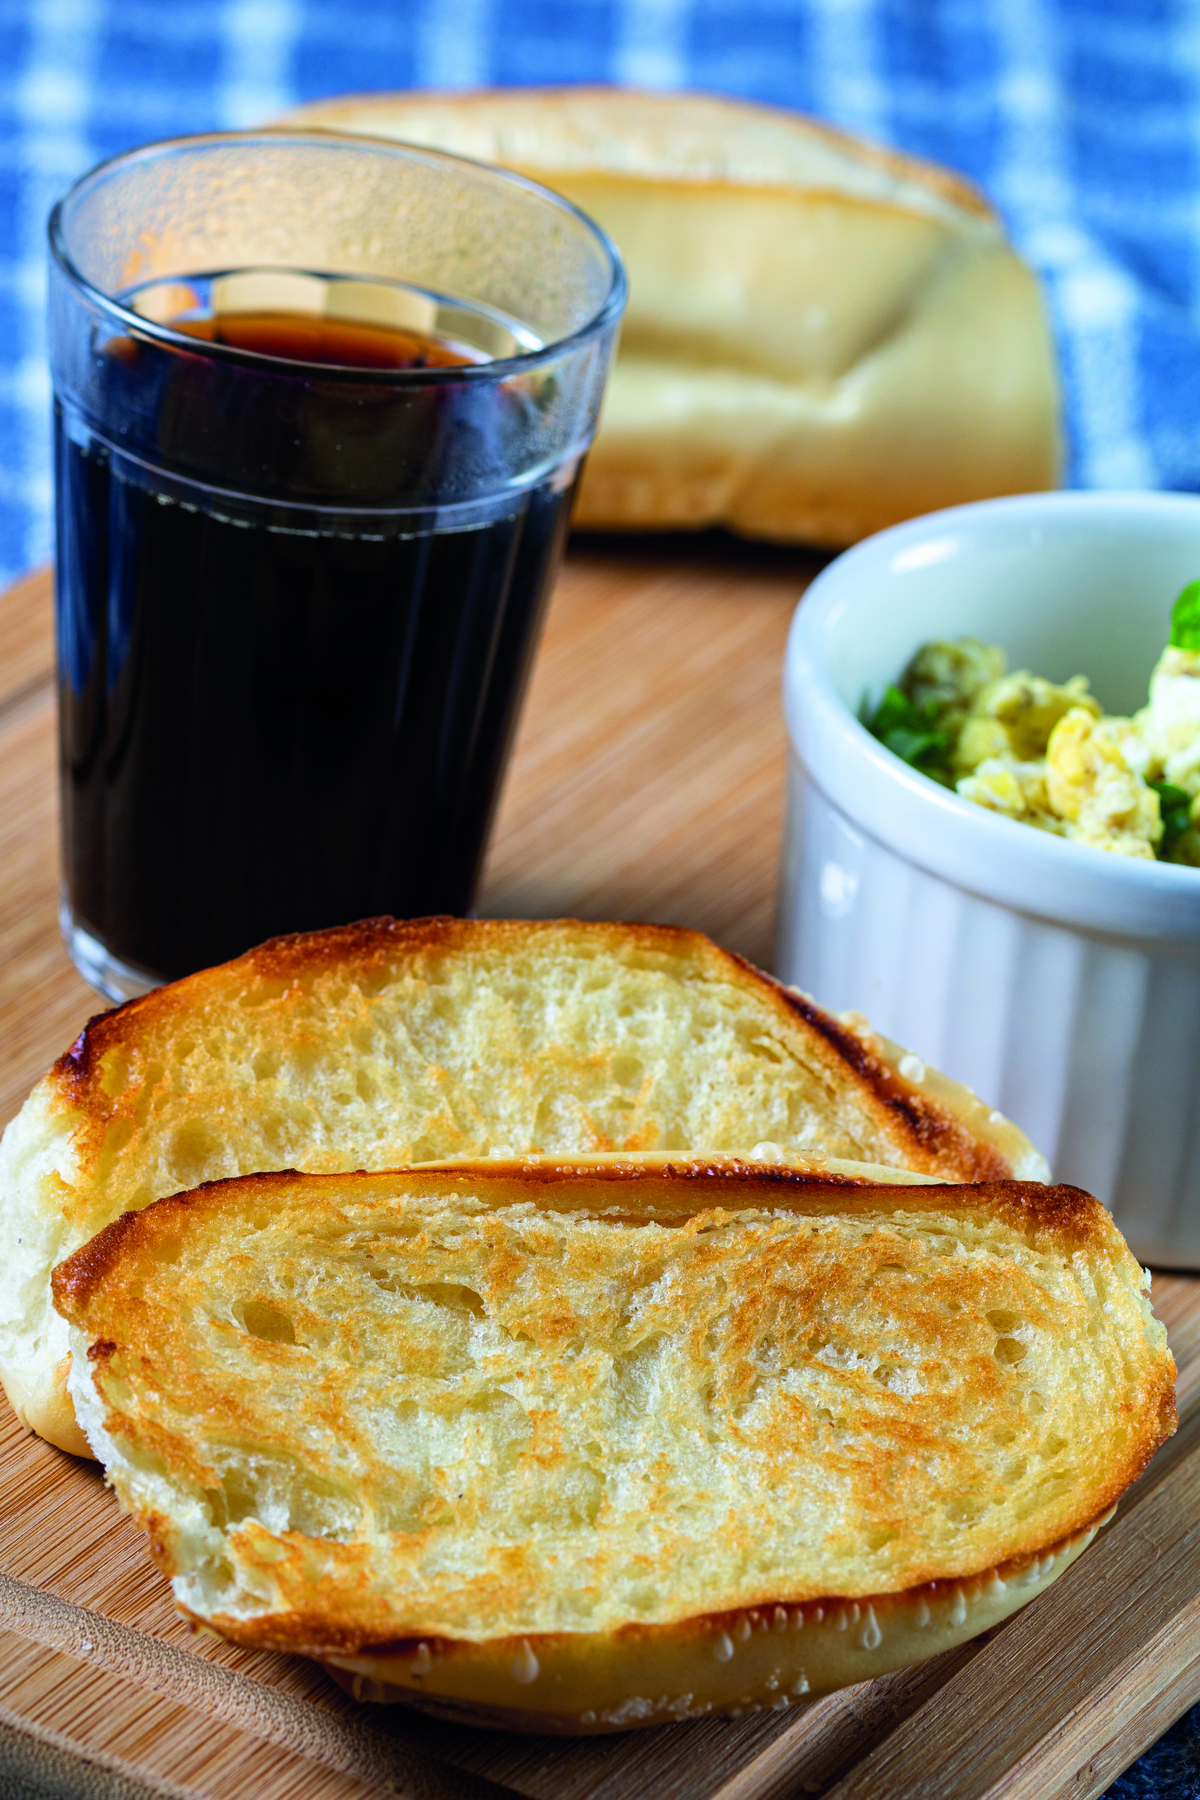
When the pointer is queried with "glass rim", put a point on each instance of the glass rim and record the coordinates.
(500, 368)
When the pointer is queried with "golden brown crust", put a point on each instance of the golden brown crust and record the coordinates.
(935, 1141)
(74, 1281)
(709, 1624)
(931, 1123)
(638, 1677)
(312, 1633)
(1064, 1218)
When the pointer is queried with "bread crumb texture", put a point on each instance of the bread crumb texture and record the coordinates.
(388, 1043)
(359, 1410)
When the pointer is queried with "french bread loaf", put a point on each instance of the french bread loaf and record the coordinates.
(822, 338)
(581, 1448)
(387, 1042)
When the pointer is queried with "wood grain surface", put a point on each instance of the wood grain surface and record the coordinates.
(646, 783)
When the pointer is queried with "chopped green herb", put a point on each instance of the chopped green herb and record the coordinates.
(1175, 810)
(1185, 618)
(908, 731)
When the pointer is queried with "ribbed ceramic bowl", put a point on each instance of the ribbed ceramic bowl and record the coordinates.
(1061, 982)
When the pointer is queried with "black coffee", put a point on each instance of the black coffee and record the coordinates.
(271, 721)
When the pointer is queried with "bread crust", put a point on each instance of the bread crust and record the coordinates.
(728, 1664)
(947, 1134)
(637, 1190)
(823, 337)
(348, 112)
(324, 1596)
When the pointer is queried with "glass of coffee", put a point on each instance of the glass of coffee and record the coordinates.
(320, 408)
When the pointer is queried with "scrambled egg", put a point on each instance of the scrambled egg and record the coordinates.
(1046, 755)
(1016, 789)
(1014, 718)
(1092, 782)
(948, 676)
(1170, 724)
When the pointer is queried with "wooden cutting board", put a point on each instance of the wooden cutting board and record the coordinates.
(646, 783)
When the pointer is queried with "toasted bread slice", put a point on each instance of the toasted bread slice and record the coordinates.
(590, 1448)
(387, 1043)
(821, 338)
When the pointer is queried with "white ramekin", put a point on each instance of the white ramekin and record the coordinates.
(1062, 983)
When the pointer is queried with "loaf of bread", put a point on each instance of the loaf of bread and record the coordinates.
(386, 1043)
(822, 337)
(576, 1449)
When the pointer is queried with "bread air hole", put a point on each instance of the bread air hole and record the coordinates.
(373, 981)
(117, 1136)
(451, 1295)
(543, 1129)
(282, 1496)
(397, 1503)
(281, 1138)
(152, 1091)
(114, 1071)
(265, 1322)
(1053, 1487)
(581, 1495)
(1009, 1351)
(194, 1153)
(266, 989)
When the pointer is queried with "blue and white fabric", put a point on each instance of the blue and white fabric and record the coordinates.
(1081, 118)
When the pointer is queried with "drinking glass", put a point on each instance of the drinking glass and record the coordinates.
(298, 591)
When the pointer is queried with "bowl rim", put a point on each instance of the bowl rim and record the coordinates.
(1077, 885)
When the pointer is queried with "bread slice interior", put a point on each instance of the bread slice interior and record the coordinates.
(479, 1431)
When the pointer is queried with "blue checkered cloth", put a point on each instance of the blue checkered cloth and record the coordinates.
(1081, 119)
